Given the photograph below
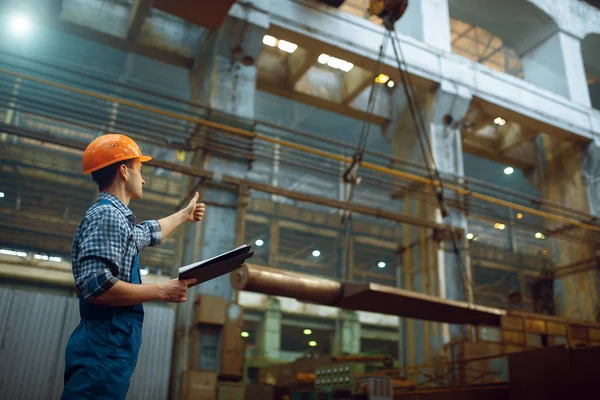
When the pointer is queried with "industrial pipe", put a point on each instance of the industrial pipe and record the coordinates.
(276, 282)
(308, 149)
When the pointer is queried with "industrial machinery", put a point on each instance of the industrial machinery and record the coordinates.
(328, 377)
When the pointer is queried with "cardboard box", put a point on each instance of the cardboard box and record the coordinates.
(210, 310)
(197, 384)
(232, 352)
(232, 391)
(259, 391)
(194, 346)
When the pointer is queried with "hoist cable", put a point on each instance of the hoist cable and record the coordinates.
(351, 174)
(426, 148)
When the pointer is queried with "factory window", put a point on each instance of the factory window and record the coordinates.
(468, 40)
(479, 45)
(591, 61)
(295, 341)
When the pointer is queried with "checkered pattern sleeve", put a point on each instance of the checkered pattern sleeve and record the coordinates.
(102, 242)
(148, 233)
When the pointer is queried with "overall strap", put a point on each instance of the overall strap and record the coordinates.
(104, 202)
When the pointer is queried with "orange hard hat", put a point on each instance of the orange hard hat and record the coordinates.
(109, 149)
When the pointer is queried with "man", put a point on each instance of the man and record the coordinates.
(102, 352)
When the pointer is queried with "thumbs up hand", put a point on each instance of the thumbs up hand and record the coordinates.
(194, 210)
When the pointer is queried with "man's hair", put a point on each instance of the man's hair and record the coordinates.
(105, 177)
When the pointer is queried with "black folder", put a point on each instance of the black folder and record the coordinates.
(216, 266)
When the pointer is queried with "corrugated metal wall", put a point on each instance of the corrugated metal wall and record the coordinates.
(34, 329)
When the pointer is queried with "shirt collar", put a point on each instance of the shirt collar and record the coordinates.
(118, 204)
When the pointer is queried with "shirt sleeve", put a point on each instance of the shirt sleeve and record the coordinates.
(101, 248)
(148, 233)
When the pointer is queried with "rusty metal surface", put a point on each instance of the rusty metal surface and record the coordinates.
(405, 303)
(363, 297)
(555, 373)
(585, 369)
(539, 374)
(209, 14)
(275, 282)
(475, 392)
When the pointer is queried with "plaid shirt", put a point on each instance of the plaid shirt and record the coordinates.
(105, 245)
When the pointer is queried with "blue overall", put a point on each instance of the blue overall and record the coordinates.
(102, 352)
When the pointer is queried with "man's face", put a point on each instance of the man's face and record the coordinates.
(135, 182)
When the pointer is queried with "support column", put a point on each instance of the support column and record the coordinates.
(569, 175)
(421, 341)
(347, 333)
(220, 81)
(268, 342)
(427, 21)
(556, 64)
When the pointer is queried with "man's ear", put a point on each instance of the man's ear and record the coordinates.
(124, 171)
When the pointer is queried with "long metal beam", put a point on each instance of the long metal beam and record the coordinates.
(363, 297)
(209, 178)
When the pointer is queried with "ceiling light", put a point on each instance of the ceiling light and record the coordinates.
(499, 121)
(382, 78)
(269, 40)
(391, 84)
(286, 46)
(144, 271)
(509, 170)
(519, 215)
(323, 58)
(245, 334)
(20, 24)
(56, 259)
(539, 235)
(501, 227)
(381, 264)
(347, 66)
(334, 62)
(13, 253)
(470, 236)
(259, 242)
(307, 331)
(316, 253)
(312, 343)
(1, 194)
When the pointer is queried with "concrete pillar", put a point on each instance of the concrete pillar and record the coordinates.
(346, 338)
(427, 21)
(218, 80)
(591, 179)
(591, 175)
(350, 333)
(569, 175)
(556, 64)
(424, 269)
(268, 341)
